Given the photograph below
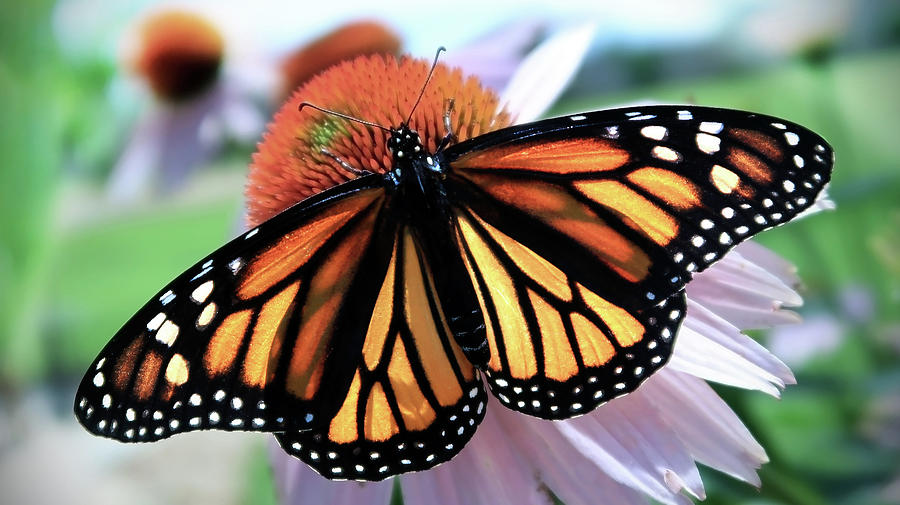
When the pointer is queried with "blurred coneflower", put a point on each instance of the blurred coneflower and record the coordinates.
(199, 102)
(637, 448)
(180, 54)
(348, 41)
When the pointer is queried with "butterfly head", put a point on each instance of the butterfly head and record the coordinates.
(405, 144)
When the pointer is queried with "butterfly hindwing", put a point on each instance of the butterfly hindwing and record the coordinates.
(632, 201)
(557, 349)
(414, 401)
(244, 339)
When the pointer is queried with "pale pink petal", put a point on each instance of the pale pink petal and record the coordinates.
(769, 261)
(298, 484)
(494, 57)
(741, 344)
(184, 145)
(631, 442)
(545, 73)
(710, 348)
(489, 470)
(823, 202)
(243, 120)
(744, 294)
(710, 430)
(133, 171)
(660, 445)
(167, 144)
(569, 474)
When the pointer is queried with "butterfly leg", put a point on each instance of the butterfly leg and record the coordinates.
(346, 166)
(449, 137)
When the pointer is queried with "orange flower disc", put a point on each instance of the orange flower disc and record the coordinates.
(179, 54)
(289, 164)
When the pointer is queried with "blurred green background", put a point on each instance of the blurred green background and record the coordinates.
(76, 259)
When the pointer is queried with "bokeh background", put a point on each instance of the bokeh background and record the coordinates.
(97, 213)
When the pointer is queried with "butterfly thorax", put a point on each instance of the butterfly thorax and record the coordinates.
(416, 176)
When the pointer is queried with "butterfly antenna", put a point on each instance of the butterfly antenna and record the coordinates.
(430, 72)
(338, 114)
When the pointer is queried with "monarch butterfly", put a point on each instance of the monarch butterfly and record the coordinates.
(547, 260)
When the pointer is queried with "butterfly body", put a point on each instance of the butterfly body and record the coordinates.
(416, 184)
(546, 260)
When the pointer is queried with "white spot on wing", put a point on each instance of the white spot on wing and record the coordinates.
(707, 143)
(157, 320)
(202, 273)
(167, 297)
(723, 179)
(202, 292)
(655, 132)
(206, 315)
(167, 333)
(666, 154)
(711, 127)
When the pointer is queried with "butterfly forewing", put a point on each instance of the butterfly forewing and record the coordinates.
(414, 401)
(631, 202)
(243, 340)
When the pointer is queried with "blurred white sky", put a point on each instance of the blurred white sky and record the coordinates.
(98, 25)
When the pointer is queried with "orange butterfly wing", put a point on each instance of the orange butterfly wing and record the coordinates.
(631, 202)
(580, 233)
(245, 339)
(330, 324)
(414, 401)
(322, 325)
(557, 349)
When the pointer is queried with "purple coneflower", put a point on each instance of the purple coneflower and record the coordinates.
(200, 101)
(644, 446)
